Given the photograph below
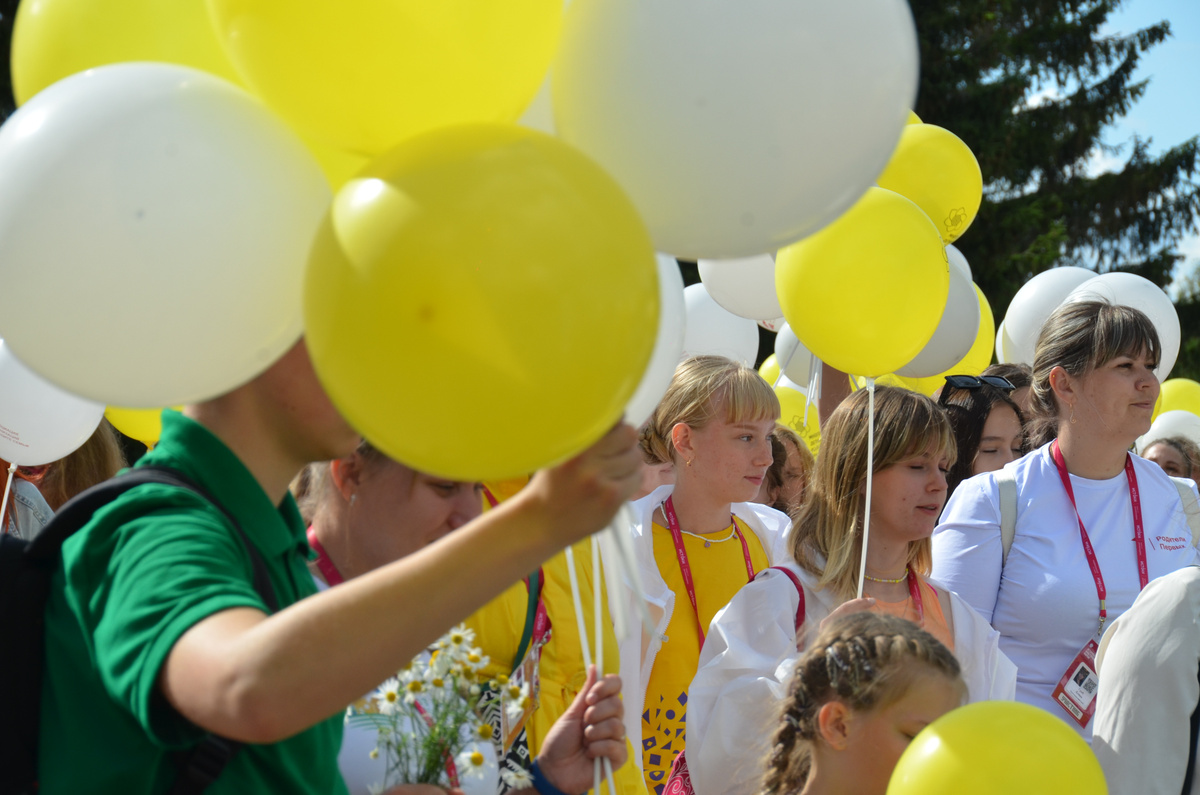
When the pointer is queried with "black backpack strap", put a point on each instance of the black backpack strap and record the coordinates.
(1193, 738)
(199, 766)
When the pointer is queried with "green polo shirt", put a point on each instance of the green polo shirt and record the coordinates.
(146, 568)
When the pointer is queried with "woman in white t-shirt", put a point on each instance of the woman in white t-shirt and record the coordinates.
(1074, 562)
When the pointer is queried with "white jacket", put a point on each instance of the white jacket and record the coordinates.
(748, 659)
(639, 649)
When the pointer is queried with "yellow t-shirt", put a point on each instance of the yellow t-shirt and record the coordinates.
(718, 571)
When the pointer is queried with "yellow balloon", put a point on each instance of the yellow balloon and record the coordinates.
(998, 748)
(866, 292)
(363, 75)
(913, 118)
(144, 425)
(56, 38)
(769, 370)
(482, 301)
(1180, 393)
(792, 414)
(933, 167)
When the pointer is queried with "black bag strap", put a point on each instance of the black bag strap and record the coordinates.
(1193, 738)
(199, 766)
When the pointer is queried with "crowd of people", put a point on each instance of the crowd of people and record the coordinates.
(1016, 549)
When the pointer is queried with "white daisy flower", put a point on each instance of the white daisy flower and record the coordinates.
(470, 764)
(413, 689)
(458, 640)
(389, 695)
(516, 778)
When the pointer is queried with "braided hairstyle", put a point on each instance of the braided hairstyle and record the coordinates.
(865, 660)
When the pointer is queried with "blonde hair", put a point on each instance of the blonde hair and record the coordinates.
(826, 537)
(312, 487)
(1079, 337)
(866, 661)
(96, 460)
(701, 387)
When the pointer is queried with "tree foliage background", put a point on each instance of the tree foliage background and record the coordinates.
(1031, 86)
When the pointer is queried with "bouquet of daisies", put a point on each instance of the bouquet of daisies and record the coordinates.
(428, 718)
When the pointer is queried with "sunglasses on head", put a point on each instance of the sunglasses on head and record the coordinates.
(974, 382)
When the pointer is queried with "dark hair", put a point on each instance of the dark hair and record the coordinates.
(968, 411)
(1079, 337)
(1019, 374)
(866, 661)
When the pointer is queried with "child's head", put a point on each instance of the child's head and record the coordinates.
(864, 688)
(714, 425)
(827, 535)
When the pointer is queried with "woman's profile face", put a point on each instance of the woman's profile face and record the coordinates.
(1117, 398)
(729, 459)
(1169, 459)
(1000, 441)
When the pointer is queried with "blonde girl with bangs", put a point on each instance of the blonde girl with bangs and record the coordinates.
(754, 642)
(698, 541)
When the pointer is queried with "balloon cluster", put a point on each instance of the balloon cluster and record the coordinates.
(237, 172)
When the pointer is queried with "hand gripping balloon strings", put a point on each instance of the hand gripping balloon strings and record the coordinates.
(862, 568)
(12, 469)
(583, 642)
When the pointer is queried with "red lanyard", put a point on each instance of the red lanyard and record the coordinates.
(324, 564)
(1139, 537)
(686, 570)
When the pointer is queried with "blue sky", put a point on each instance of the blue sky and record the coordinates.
(1169, 111)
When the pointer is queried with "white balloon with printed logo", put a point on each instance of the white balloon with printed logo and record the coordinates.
(39, 422)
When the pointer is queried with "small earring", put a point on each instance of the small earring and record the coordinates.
(690, 460)
(1072, 415)
(353, 497)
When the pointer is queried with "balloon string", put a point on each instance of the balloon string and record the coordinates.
(862, 569)
(814, 384)
(583, 637)
(12, 470)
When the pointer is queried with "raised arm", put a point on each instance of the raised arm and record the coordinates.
(249, 677)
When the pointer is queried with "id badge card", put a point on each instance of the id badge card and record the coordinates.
(1076, 691)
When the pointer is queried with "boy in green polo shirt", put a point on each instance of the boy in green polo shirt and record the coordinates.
(155, 635)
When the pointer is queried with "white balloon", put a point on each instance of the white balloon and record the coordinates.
(795, 360)
(155, 223)
(712, 330)
(955, 332)
(1003, 344)
(1033, 303)
(39, 422)
(957, 259)
(1129, 289)
(745, 287)
(1171, 423)
(774, 324)
(668, 346)
(736, 127)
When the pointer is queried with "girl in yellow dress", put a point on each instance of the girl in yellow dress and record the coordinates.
(698, 541)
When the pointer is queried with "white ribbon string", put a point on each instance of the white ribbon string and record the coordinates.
(862, 569)
(12, 470)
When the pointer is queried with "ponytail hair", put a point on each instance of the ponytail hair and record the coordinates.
(864, 660)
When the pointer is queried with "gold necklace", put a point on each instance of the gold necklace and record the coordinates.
(899, 579)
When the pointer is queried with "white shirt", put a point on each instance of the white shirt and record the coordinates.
(1044, 601)
(748, 658)
(1149, 689)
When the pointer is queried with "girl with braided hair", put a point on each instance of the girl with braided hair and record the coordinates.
(753, 643)
(865, 687)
